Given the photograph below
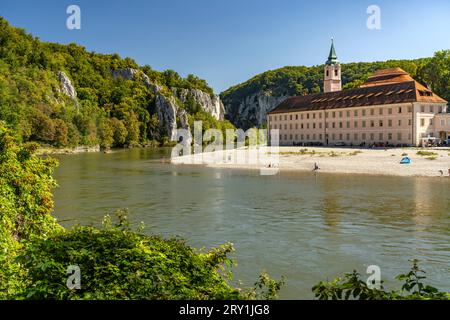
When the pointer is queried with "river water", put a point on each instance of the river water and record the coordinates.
(307, 227)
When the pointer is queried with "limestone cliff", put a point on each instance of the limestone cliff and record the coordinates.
(211, 104)
(66, 85)
(252, 110)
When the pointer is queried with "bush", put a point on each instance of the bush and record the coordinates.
(352, 287)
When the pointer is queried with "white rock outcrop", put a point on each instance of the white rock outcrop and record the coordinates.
(211, 104)
(66, 85)
(168, 113)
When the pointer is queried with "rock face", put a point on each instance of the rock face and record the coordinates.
(252, 111)
(168, 113)
(213, 105)
(66, 85)
(133, 74)
(127, 74)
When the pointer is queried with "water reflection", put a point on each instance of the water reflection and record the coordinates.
(307, 227)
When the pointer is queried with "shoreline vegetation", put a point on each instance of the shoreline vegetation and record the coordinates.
(382, 162)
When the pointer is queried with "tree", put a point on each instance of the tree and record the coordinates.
(120, 132)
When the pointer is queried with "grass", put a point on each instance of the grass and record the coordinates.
(432, 158)
(426, 153)
(306, 152)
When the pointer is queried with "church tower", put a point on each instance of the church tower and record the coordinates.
(332, 81)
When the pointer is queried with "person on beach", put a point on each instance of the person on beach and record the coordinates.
(316, 167)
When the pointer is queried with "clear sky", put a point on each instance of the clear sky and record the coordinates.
(229, 41)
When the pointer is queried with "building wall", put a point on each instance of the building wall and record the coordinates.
(398, 124)
(427, 114)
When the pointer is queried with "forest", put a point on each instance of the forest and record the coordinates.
(110, 111)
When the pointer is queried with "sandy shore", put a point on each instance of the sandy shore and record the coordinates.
(331, 160)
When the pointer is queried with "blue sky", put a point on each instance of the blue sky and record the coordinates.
(229, 41)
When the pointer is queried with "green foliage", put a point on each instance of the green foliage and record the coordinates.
(26, 203)
(33, 106)
(352, 287)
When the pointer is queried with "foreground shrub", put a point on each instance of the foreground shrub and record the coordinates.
(352, 287)
(118, 263)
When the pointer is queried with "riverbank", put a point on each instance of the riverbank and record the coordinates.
(45, 151)
(425, 162)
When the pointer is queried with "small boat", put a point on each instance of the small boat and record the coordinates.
(406, 160)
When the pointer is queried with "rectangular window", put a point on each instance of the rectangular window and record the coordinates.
(302, 137)
(307, 116)
(340, 114)
(320, 136)
(285, 127)
(364, 113)
(372, 123)
(296, 117)
(302, 125)
(380, 136)
(390, 111)
(334, 125)
(348, 136)
(301, 116)
(399, 109)
(381, 111)
(409, 122)
(356, 124)
(372, 136)
(314, 136)
(356, 113)
(389, 136)
(340, 124)
(399, 136)
(320, 125)
(285, 117)
(290, 117)
(296, 137)
(296, 126)
(314, 125)
(409, 109)
(340, 136)
(334, 114)
(389, 123)
(348, 114)
(356, 136)
(290, 126)
(320, 115)
(364, 136)
(372, 112)
(307, 126)
(399, 123)
(364, 124)
(422, 122)
(307, 137)
(314, 115)
(381, 123)
(422, 108)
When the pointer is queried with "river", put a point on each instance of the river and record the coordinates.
(307, 227)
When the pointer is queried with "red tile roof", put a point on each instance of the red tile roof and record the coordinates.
(387, 86)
